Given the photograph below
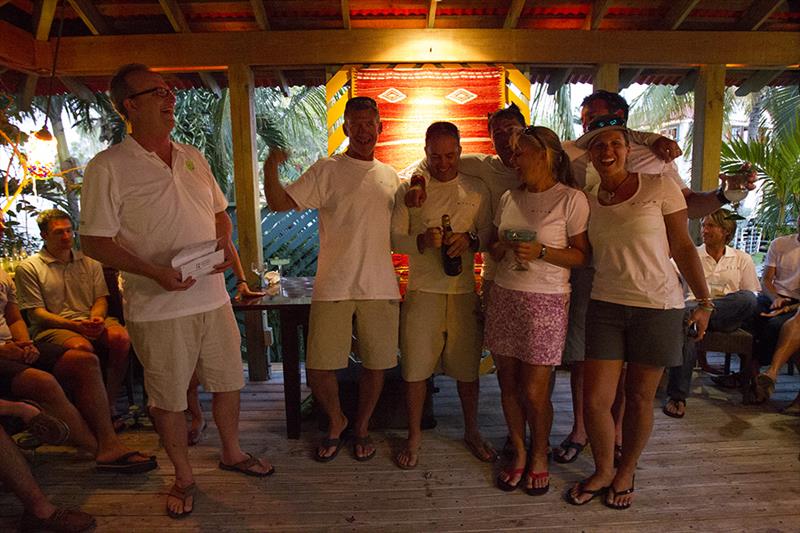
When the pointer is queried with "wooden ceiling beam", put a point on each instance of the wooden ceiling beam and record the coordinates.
(210, 51)
(757, 81)
(677, 13)
(44, 12)
(758, 14)
(596, 14)
(346, 14)
(260, 12)
(175, 16)
(514, 12)
(431, 13)
(90, 16)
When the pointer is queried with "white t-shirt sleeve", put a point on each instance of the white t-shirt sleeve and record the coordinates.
(772, 255)
(643, 137)
(308, 192)
(100, 201)
(671, 171)
(749, 279)
(98, 280)
(220, 203)
(402, 242)
(672, 197)
(498, 215)
(577, 214)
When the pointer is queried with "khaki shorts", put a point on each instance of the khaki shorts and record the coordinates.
(330, 334)
(440, 333)
(61, 336)
(170, 350)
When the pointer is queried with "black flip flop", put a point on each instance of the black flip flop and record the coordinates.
(565, 447)
(328, 442)
(573, 500)
(676, 402)
(614, 493)
(363, 442)
(123, 464)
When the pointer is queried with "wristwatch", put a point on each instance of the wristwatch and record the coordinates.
(542, 252)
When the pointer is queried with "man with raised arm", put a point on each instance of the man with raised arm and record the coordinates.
(354, 195)
(145, 200)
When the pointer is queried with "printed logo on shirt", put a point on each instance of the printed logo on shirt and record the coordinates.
(190, 165)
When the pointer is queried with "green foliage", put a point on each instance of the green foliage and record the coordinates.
(783, 105)
(776, 159)
(553, 111)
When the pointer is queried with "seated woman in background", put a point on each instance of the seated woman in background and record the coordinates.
(636, 312)
(540, 234)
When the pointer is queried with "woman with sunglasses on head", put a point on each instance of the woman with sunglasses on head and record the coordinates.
(540, 233)
(636, 312)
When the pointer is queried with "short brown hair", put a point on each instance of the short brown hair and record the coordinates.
(48, 215)
(360, 103)
(119, 90)
(439, 129)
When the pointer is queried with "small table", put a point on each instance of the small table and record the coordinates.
(292, 299)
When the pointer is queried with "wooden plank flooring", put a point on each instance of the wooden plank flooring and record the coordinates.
(724, 467)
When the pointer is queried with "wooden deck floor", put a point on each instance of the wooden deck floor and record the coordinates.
(725, 467)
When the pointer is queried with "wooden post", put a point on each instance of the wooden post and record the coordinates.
(606, 77)
(248, 209)
(709, 94)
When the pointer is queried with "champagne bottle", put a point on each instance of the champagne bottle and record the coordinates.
(452, 265)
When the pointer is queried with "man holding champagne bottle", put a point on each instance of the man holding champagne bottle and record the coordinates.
(439, 325)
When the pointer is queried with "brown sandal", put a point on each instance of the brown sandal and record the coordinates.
(66, 520)
(245, 467)
(182, 494)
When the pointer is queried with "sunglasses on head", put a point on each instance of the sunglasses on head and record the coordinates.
(604, 122)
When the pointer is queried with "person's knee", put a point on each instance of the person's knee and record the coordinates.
(119, 341)
(79, 363)
(79, 343)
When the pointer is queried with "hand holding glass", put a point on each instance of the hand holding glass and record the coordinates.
(519, 235)
(736, 184)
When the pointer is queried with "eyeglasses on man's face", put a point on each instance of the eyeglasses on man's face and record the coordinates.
(161, 92)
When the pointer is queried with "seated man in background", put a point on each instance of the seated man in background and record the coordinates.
(65, 295)
(780, 288)
(732, 282)
(38, 371)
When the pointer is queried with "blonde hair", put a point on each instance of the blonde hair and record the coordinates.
(557, 159)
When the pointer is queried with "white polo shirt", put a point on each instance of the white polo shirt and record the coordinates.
(735, 271)
(784, 255)
(355, 200)
(154, 211)
(466, 200)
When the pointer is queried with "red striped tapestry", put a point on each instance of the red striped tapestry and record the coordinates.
(411, 99)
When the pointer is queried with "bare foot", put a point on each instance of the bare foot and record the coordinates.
(480, 448)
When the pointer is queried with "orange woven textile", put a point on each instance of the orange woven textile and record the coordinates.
(410, 99)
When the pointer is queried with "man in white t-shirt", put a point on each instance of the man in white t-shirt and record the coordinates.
(145, 200)
(731, 278)
(354, 194)
(440, 328)
(780, 288)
